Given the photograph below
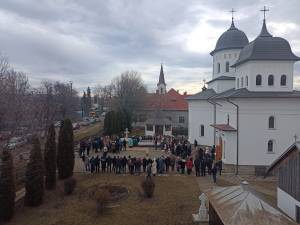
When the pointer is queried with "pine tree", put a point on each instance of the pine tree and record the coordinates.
(7, 187)
(35, 176)
(65, 153)
(50, 159)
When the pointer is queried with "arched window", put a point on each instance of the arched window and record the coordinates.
(246, 81)
(271, 122)
(283, 80)
(270, 146)
(227, 67)
(202, 130)
(271, 80)
(242, 82)
(258, 80)
(238, 83)
(218, 67)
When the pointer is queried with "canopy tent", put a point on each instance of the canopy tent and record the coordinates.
(236, 205)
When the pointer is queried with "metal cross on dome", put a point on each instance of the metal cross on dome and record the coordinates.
(265, 10)
(232, 13)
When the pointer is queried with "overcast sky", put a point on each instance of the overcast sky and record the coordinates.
(90, 42)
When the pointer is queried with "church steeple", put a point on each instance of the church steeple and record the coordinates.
(161, 85)
(264, 31)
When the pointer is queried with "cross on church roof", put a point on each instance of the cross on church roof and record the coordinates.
(264, 10)
(232, 14)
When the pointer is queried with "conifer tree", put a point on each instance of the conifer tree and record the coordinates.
(34, 184)
(65, 153)
(7, 187)
(50, 159)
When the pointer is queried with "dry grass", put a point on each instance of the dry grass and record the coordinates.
(87, 132)
(174, 200)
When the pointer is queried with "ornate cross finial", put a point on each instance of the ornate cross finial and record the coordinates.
(264, 10)
(232, 14)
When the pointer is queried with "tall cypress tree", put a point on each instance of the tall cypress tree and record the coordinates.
(7, 187)
(65, 153)
(35, 176)
(50, 159)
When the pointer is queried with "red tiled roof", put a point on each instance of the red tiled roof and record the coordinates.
(223, 127)
(172, 100)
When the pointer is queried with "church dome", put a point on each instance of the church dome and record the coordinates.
(233, 38)
(266, 47)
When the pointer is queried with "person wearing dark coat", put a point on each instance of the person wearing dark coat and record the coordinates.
(220, 166)
(197, 166)
(203, 167)
(195, 143)
(124, 163)
(109, 161)
(144, 164)
(214, 173)
(103, 163)
(92, 162)
(182, 165)
(114, 163)
(118, 165)
(97, 163)
(168, 163)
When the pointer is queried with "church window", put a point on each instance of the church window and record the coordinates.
(218, 67)
(202, 130)
(149, 127)
(238, 83)
(271, 80)
(283, 80)
(270, 146)
(271, 122)
(246, 81)
(227, 67)
(242, 82)
(181, 119)
(258, 80)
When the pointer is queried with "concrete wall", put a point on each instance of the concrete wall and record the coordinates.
(221, 85)
(287, 203)
(265, 68)
(201, 112)
(222, 57)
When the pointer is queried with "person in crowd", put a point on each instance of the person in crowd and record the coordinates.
(124, 164)
(182, 166)
(154, 167)
(124, 144)
(167, 163)
(189, 165)
(172, 162)
(97, 163)
(214, 173)
(178, 164)
(118, 165)
(149, 169)
(103, 163)
(93, 164)
(195, 144)
(87, 163)
(220, 166)
(144, 162)
(109, 162)
(203, 167)
(155, 143)
(88, 147)
(197, 166)
(114, 163)
(105, 151)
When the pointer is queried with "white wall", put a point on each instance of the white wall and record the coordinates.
(221, 85)
(201, 112)
(265, 68)
(222, 57)
(287, 203)
(229, 146)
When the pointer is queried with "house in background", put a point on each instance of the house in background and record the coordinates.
(287, 168)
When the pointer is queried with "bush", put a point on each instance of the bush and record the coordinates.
(148, 186)
(69, 185)
(34, 183)
(7, 187)
(102, 199)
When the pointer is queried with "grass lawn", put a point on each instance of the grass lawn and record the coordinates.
(175, 199)
(88, 131)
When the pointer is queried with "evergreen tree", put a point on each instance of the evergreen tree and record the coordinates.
(35, 176)
(65, 153)
(50, 159)
(7, 187)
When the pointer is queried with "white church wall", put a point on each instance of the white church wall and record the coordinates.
(231, 56)
(265, 68)
(229, 146)
(254, 132)
(221, 85)
(200, 113)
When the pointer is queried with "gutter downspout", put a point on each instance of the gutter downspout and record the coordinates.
(215, 116)
(237, 136)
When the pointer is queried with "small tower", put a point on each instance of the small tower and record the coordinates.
(161, 85)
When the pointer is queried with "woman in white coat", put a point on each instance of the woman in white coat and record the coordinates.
(154, 167)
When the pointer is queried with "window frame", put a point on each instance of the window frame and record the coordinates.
(274, 123)
(181, 119)
(271, 80)
(258, 79)
(227, 67)
(271, 143)
(247, 81)
(281, 79)
(218, 68)
(202, 131)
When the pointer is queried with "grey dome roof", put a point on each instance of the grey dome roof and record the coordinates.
(266, 47)
(233, 38)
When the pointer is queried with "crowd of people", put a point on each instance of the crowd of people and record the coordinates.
(178, 158)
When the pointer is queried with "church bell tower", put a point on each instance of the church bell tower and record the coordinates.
(161, 85)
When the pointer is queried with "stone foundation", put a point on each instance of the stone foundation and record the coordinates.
(245, 170)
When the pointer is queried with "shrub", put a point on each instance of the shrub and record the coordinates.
(148, 186)
(69, 185)
(7, 187)
(65, 151)
(50, 159)
(34, 184)
(102, 199)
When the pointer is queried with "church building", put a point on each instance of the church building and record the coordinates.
(165, 112)
(249, 109)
